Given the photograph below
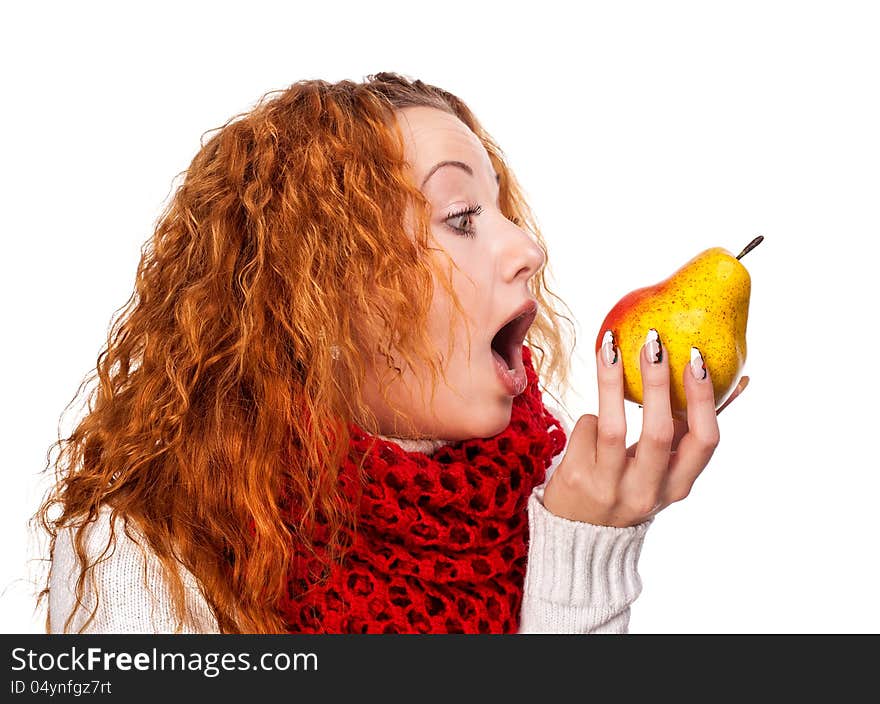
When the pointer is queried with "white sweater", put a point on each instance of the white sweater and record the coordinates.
(580, 578)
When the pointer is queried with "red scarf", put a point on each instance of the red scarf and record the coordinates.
(442, 541)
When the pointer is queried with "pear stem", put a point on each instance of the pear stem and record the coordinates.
(750, 246)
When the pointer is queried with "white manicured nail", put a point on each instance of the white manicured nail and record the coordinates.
(653, 348)
(609, 353)
(698, 367)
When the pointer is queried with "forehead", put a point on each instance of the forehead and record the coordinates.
(432, 135)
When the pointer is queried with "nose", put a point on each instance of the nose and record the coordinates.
(525, 257)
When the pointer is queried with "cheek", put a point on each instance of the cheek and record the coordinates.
(473, 292)
(439, 318)
(443, 337)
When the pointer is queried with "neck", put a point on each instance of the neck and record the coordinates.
(428, 447)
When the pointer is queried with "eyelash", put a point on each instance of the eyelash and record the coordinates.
(470, 209)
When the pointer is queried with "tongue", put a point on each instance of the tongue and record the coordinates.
(501, 360)
(517, 372)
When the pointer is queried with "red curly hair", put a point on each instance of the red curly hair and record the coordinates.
(217, 384)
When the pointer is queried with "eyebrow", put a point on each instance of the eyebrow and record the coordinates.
(460, 164)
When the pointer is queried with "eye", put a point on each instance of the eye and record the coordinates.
(465, 214)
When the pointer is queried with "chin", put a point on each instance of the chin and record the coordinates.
(494, 420)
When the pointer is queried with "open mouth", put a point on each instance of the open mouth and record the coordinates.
(507, 342)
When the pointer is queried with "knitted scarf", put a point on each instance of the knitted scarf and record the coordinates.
(441, 541)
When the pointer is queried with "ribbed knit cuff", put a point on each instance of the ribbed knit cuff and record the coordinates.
(580, 565)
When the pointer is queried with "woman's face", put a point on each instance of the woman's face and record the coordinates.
(495, 260)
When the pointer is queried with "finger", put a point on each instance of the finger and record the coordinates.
(681, 429)
(580, 450)
(611, 430)
(740, 387)
(698, 445)
(652, 451)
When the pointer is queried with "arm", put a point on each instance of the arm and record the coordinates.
(580, 577)
(132, 590)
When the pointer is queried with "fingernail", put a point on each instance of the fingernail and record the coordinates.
(653, 348)
(609, 353)
(698, 367)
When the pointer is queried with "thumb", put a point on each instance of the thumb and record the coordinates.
(581, 447)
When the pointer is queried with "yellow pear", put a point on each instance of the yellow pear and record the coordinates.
(705, 304)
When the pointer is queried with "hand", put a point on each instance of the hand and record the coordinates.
(601, 481)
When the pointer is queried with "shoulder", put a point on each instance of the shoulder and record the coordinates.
(128, 583)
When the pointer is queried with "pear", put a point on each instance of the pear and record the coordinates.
(704, 304)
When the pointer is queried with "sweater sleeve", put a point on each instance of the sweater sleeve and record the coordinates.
(129, 585)
(580, 577)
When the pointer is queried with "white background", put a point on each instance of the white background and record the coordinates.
(643, 134)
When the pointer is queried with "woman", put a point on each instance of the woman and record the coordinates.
(265, 452)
